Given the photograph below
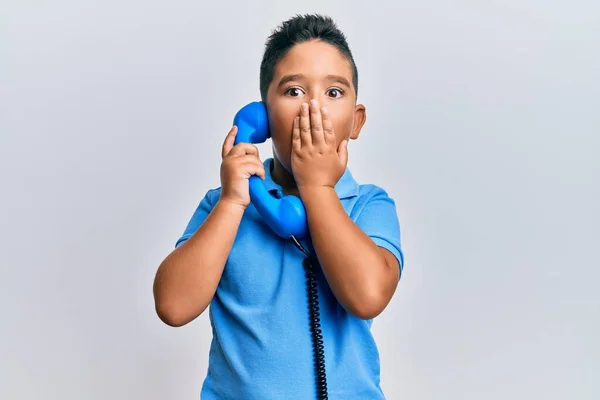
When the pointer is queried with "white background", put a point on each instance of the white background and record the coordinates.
(483, 124)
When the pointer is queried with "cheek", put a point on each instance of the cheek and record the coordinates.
(281, 129)
(281, 118)
(343, 127)
(280, 125)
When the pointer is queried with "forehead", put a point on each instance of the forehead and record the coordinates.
(314, 59)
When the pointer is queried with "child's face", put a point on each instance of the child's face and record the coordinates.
(312, 70)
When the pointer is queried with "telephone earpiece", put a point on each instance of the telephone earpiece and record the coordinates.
(285, 216)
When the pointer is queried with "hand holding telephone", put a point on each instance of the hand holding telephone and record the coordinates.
(285, 216)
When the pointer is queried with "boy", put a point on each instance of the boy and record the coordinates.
(263, 347)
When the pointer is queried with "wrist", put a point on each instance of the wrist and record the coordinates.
(308, 192)
(230, 207)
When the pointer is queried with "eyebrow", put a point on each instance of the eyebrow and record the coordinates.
(297, 77)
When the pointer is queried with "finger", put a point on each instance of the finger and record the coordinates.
(296, 141)
(343, 152)
(316, 123)
(242, 149)
(305, 125)
(328, 133)
(259, 169)
(228, 142)
(253, 167)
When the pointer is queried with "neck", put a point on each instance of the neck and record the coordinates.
(284, 178)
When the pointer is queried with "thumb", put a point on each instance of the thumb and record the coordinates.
(343, 152)
(229, 141)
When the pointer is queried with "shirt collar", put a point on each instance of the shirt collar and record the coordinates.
(345, 188)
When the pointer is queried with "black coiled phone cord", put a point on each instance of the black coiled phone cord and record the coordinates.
(315, 322)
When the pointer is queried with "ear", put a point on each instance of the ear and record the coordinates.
(360, 117)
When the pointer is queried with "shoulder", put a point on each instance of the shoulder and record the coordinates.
(377, 216)
(213, 195)
(209, 199)
(371, 190)
(202, 210)
(370, 194)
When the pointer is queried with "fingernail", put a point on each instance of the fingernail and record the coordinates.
(324, 110)
(314, 103)
(304, 107)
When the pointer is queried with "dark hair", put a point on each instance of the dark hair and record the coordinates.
(301, 28)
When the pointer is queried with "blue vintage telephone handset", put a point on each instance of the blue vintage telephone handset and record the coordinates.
(286, 216)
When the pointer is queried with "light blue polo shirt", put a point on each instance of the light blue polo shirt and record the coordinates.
(261, 347)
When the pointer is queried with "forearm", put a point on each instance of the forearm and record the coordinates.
(187, 279)
(355, 267)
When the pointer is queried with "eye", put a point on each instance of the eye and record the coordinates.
(293, 92)
(335, 93)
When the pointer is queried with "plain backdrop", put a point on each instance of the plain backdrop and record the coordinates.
(483, 125)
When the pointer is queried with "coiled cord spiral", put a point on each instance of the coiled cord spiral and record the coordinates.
(315, 323)
(315, 328)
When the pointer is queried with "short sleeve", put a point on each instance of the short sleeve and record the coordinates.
(202, 211)
(379, 220)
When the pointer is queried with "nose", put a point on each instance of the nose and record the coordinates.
(320, 98)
